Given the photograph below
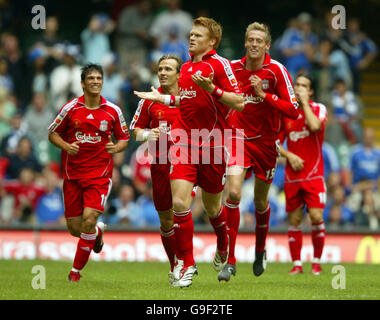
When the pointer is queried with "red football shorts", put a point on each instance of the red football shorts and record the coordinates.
(207, 168)
(80, 194)
(162, 194)
(259, 154)
(311, 193)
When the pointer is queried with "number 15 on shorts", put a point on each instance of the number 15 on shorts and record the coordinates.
(269, 174)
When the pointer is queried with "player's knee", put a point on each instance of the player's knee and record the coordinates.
(316, 216)
(88, 224)
(260, 204)
(295, 220)
(179, 204)
(212, 210)
(75, 232)
(234, 195)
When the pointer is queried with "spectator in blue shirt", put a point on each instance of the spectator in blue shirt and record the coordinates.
(365, 174)
(337, 213)
(298, 45)
(331, 160)
(364, 163)
(95, 38)
(346, 109)
(113, 79)
(148, 212)
(174, 45)
(361, 50)
(50, 209)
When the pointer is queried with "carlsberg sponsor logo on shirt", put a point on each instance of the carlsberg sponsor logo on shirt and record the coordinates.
(187, 94)
(249, 98)
(82, 137)
(296, 135)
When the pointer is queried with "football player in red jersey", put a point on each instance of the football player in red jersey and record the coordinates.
(152, 122)
(82, 130)
(304, 173)
(268, 96)
(208, 90)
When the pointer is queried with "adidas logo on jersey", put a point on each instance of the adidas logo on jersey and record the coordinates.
(90, 116)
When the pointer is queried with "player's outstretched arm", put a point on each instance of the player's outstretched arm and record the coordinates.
(156, 96)
(146, 134)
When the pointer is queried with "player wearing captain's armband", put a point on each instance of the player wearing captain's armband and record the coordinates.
(268, 96)
(304, 173)
(83, 129)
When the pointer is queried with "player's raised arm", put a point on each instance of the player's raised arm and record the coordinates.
(157, 97)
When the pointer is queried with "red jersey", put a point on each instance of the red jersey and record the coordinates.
(262, 117)
(198, 108)
(152, 115)
(140, 166)
(21, 193)
(91, 127)
(305, 144)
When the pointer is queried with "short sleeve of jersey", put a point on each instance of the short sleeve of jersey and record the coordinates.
(60, 122)
(120, 129)
(141, 119)
(321, 113)
(284, 86)
(225, 76)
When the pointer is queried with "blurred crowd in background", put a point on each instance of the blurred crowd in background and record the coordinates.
(37, 81)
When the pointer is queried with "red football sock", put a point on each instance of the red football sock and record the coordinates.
(219, 224)
(232, 213)
(295, 242)
(85, 245)
(184, 231)
(262, 227)
(318, 235)
(169, 242)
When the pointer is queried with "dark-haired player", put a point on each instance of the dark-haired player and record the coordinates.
(304, 179)
(83, 129)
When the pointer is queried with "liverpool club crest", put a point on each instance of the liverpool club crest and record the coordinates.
(265, 84)
(103, 125)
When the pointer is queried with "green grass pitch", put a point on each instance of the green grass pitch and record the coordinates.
(149, 281)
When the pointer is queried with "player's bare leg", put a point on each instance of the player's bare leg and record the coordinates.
(318, 235)
(217, 218)
(262, 214)
(169, 241)
(74, 226)
(235, 179)
(184, 230)
(295, 239)
(86, 242)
